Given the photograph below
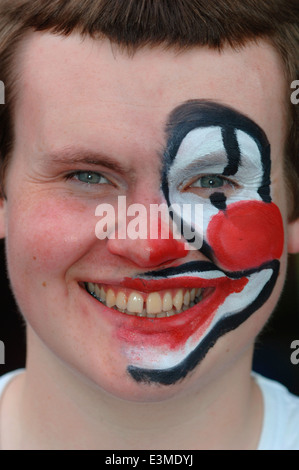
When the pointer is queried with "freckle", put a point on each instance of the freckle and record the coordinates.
(44, 284)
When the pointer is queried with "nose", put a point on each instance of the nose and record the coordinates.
(150, 251)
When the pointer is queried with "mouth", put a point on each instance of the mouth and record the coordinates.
(162, 311)
(156, 304)
(190, 335)
(165, 321)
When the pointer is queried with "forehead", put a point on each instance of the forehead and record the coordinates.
(90, 90)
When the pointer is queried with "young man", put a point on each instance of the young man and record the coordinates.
(146, 342)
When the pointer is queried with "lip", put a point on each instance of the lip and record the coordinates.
(171, 332)
(144, 285)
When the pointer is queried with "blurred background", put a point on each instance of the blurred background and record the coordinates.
(273, 347)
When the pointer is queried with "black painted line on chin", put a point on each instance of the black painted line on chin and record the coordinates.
(179, 372)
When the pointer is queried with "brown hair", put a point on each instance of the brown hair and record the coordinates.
(174, 23)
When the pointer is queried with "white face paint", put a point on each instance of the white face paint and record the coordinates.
(235, 156)
(161, 357)
(202, 152)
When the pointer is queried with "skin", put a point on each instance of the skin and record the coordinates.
(241, 232)
(89, 96)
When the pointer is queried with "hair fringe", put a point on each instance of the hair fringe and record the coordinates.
(181, 24)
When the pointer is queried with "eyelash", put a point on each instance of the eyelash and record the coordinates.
(75, 176)
(224, 179)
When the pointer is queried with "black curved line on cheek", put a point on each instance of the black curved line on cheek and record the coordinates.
(177, 373)
(164, 179)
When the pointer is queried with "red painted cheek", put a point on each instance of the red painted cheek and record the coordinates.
(246, 235)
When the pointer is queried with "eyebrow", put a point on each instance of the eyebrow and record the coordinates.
(77, 156)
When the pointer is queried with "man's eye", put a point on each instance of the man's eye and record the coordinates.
(205, 185)
(209, 182)
(88, 177)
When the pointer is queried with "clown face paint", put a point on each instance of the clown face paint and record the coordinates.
(219, 158)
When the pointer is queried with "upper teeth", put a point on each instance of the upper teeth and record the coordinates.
(154, 305)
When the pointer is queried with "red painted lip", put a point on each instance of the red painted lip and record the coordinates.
(152, 285)
(171, 332)
(174, 331)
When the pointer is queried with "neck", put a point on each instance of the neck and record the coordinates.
(80, 415)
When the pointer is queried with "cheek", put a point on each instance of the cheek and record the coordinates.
(47, 236)
(246, 235)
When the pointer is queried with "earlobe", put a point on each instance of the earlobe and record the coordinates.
(293, 237)
(2, 218)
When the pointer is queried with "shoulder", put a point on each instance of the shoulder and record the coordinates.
(6, 378)
(281, 416)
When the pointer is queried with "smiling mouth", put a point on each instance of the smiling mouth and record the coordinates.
(158, 304)
(166, 310)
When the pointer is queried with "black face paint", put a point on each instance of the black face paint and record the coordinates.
(219, 201)
(202, 114)
(241, 149)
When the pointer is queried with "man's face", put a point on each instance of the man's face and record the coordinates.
(94, 126)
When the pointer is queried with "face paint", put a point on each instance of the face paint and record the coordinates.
(219, 158)
(248, 235)
(175, 331)
(161, 250)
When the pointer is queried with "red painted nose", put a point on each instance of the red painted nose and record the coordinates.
(149, 252)
(246, 235)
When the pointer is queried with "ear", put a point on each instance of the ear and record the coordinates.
(2, 218)
(293, 237)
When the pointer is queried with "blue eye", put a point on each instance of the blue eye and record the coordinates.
(89, 177)
(209, 182)
(203, 186)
